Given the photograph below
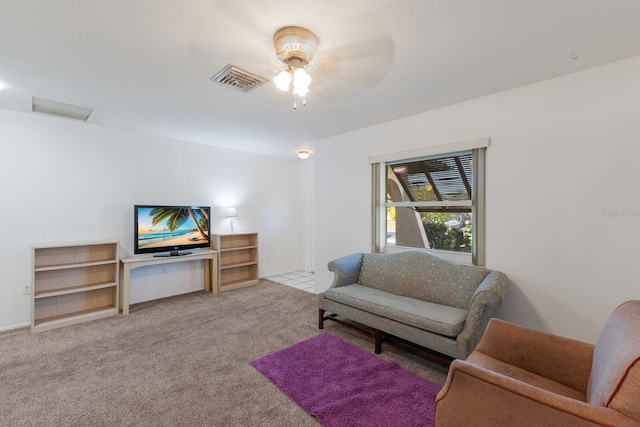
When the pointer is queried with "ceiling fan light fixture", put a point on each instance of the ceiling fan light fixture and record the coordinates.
(296, 48)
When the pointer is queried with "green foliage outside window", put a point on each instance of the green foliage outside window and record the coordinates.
(439, 234)
(443, 237)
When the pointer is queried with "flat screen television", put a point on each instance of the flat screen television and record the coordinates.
(170, 230)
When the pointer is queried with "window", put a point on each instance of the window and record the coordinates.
(433, 202)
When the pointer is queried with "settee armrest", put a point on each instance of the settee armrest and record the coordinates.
(561, 359)
(477, 396)
(346, 270)
(485, 301)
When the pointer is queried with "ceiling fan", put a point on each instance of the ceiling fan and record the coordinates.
(346, 71)
(296, 49)
(355, 48)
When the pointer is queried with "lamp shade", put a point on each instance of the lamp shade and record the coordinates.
(301, 82)
(282, 80)
(231, 212)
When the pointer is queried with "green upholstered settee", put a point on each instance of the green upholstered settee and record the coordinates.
(417, 296)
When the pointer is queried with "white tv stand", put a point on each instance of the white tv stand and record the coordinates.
(128, 264)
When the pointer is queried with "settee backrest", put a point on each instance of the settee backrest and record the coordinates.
(615, 372)
(422, 275)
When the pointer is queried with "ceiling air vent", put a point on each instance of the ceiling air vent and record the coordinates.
(237, 78)
(60, 109)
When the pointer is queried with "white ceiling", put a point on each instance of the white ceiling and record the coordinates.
(145, 65)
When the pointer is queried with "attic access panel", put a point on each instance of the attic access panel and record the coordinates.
(447, 178)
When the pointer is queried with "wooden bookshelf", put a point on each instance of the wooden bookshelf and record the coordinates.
(74, 283)
(238, 259)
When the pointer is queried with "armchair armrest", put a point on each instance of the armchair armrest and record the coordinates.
(484, 303)
(477, 396)
(561, 359)
(346, 270)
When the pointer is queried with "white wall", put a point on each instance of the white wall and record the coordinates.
(306, 213)
(563, 154)
(65, 181)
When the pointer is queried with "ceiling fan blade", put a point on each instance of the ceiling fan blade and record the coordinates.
(351, 70)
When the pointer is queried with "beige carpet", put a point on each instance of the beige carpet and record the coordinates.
(180, 361)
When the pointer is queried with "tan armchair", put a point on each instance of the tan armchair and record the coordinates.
(522, 377)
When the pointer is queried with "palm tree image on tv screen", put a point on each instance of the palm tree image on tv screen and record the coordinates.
(171, 228)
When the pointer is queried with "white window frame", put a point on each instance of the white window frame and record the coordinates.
(379, 204)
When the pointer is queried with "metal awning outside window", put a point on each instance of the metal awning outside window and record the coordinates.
(438, 182)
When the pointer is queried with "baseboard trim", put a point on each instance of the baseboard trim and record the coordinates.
(12, 327)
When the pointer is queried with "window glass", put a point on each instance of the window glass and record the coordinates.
(445, 231)
(429, 203)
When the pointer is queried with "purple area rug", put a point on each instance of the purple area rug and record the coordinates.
(343, 385)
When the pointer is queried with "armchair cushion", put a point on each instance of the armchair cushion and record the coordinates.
(512, 371)
(540, 353)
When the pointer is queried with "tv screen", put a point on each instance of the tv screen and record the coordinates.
(170, 229)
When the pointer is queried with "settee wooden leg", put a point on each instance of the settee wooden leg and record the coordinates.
(378, 344)
(320, 318)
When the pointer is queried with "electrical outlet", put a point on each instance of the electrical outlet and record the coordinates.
(26, 289)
